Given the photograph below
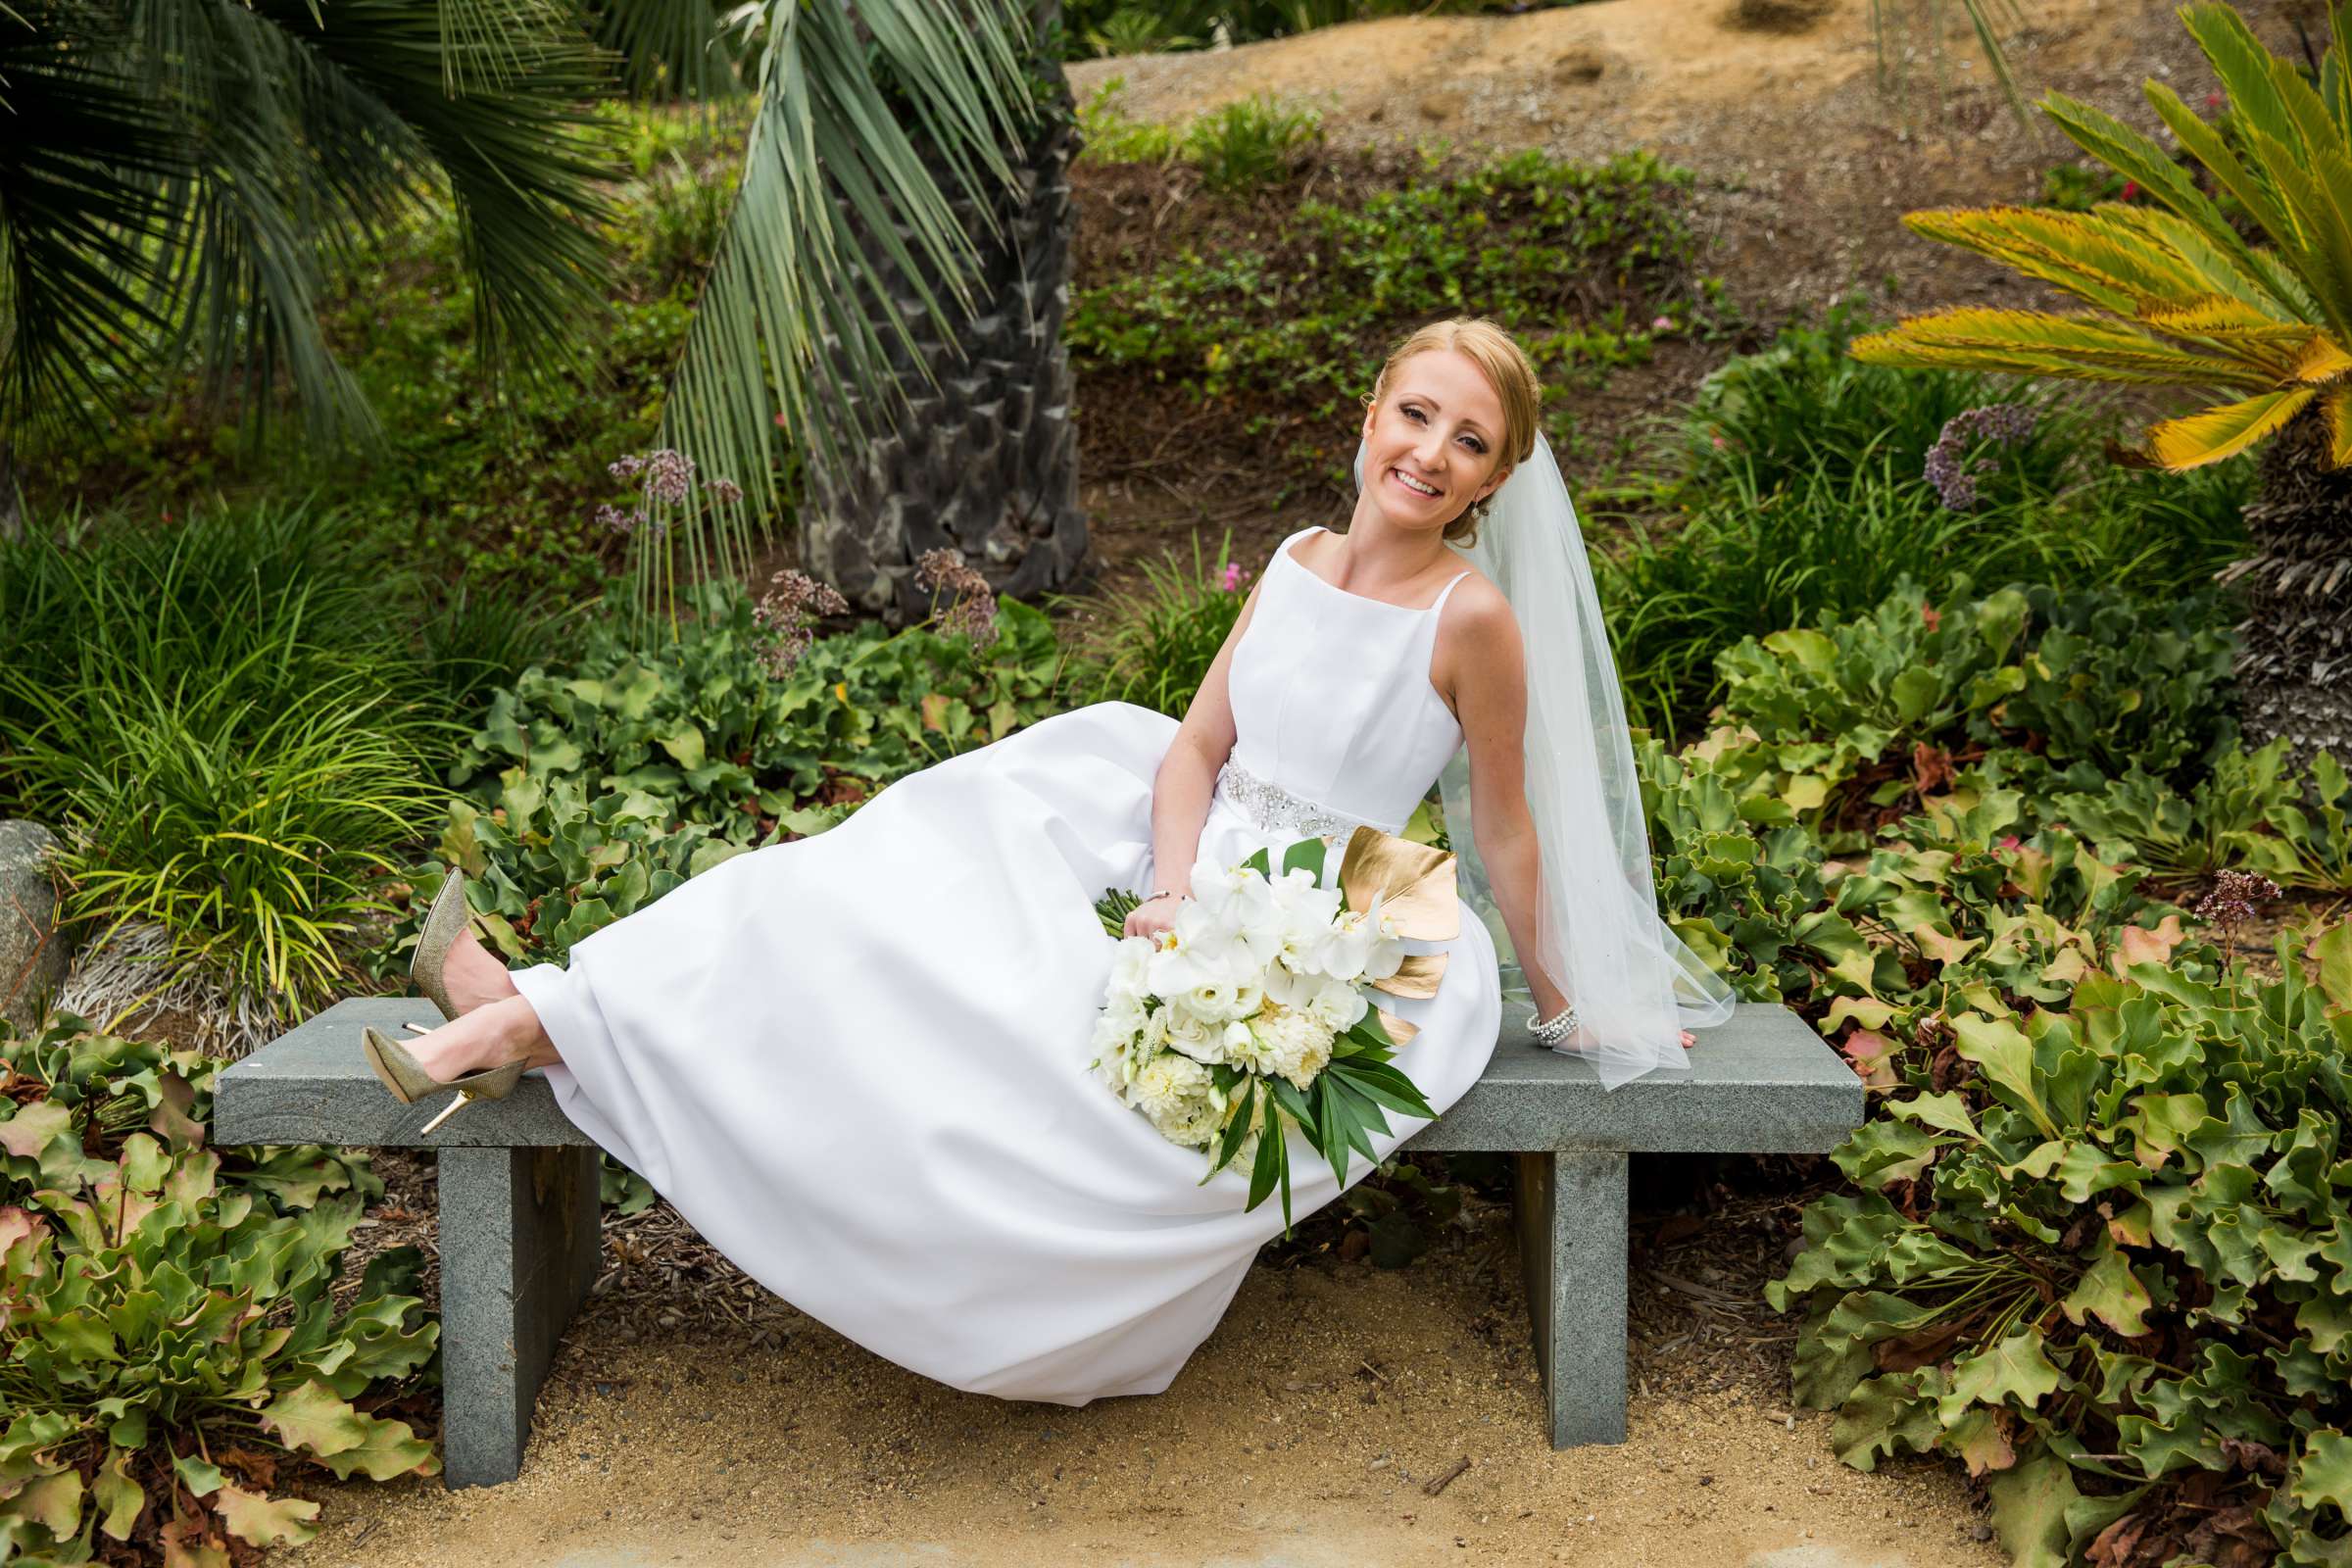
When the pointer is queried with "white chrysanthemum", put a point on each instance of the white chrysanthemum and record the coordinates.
(1286, 1043)
(1179, 1097)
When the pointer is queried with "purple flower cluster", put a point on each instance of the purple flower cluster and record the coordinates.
(784, 612)
(2232, 901)
(663, 477)
(1955, 477)
(974, 611)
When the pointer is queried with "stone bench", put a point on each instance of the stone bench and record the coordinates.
(520, 1240)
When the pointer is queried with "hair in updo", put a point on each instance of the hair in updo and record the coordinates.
(1507, 369)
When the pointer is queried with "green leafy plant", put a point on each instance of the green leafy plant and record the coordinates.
(2106, 1269)
(1249, 142)
(172, 1334)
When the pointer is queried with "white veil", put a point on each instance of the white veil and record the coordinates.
(1636, 984)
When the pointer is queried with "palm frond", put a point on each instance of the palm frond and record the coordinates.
(790, 330)
(2212, 434)
(672, 50)
(2094, 348)
(82, 154)
(2088, 255)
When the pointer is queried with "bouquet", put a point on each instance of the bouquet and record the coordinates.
(1254, 1012)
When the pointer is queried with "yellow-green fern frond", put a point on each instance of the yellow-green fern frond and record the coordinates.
(2322, 359)
(2338, 409)
(2212, 434)
(2090, 256)
(2091, 348)
(2218, 315)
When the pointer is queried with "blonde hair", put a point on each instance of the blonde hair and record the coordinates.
(1507, 369)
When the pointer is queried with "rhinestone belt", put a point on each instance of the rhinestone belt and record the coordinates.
(1275, 809)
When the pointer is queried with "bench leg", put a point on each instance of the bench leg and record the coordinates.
(519, 1248)
(1572, 1247)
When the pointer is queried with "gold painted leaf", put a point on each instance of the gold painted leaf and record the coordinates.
(1399, 1030)
(1414, 883)
(1416, 976)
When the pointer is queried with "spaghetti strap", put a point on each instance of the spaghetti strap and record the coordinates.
(1440, 601)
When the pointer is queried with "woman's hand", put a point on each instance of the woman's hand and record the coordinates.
(1155, 914)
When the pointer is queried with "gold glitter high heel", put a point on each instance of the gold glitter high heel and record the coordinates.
(443, 924)
(404, 1075)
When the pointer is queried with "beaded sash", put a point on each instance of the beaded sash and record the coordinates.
(1275, 809)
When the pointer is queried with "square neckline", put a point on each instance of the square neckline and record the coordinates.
(1285, 552)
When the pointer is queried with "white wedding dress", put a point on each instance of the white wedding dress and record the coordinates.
(857, 1064)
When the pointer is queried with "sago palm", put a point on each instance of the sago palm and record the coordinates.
(2261, 326)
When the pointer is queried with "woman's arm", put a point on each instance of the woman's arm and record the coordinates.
(1187, 774)
(1490, 701)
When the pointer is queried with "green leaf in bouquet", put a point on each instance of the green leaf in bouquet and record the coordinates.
(1266, 1169)
(1257, 862)
(1237, 1128)
(1384, 1085)
(1286, 1096)
(1308, 852)
(1357, 1116)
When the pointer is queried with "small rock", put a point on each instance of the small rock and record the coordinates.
(1440, 105)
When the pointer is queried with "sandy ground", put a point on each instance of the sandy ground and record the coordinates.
(1310, 1429)
(1339, 1414)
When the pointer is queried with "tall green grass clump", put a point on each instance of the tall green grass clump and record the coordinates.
(236, 723)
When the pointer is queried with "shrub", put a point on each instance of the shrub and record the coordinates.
(1746, 562)
(2103, 1264)
(171, 1338)
(698, 722)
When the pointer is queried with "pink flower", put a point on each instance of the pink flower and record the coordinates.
(2130, 189)
(1663, 323)
(1233, 576)
(2010, 841)
(2213, 100)
(779, 418)
(1717, 438)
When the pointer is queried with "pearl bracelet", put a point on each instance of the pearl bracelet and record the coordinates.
(1560, 1026)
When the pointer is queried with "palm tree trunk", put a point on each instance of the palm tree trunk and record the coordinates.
(2295, 669)
(987, 466)
(12, 499)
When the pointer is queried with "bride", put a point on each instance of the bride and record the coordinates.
(857, 1062)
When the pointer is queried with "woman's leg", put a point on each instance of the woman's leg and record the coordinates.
(475, 978)
(485, 1036)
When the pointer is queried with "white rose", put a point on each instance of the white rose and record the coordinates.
(1337, 1005)
(1194, 1037)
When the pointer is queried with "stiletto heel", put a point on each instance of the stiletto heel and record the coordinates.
(404, 1076)
(444, 923)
